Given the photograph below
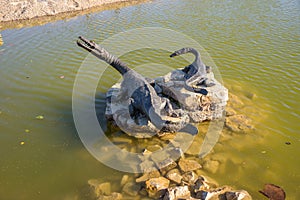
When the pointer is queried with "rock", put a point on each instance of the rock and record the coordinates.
(234, 102)
(168, 137)
(236, 195)
(156, 186)
(175, 153)
(100, 188)
(212, 194)
(148, 175)
(159, 157)
(180, 192)
(113, 196)
(147, 166)
(251, 95)
(146, 153)
(273, 192)
(174, 175)
(166, 165)
(131, 188)
(238, 124)
(204, 183)
(189, 178)
(124, 180)
(154, 148)
(201, 195)
(188, 165)
(211, 166)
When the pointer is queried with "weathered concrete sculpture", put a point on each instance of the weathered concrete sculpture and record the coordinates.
(142, 107)
(195, 73)
(195, 89)
(135, 106)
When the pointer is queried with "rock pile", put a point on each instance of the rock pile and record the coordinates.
(176, 180)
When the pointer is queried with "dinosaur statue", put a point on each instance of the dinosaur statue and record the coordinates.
(195, 73)
(140, 94)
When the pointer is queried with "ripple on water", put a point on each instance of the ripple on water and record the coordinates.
(252, 42)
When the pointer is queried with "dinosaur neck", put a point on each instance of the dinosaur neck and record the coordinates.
(197, 56)
(115, 62)
(120, 66)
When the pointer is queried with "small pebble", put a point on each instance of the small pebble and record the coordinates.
(39, 117)
(22, 143)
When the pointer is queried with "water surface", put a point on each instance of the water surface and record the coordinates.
(255, 45)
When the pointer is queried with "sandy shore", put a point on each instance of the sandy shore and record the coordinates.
(11, 10)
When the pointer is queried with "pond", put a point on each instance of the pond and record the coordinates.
(254, 44)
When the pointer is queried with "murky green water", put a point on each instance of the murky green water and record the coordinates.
(255, 45)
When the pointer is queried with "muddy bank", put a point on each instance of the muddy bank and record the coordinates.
(16, 13)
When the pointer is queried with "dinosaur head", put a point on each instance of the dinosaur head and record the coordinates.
(176, 53)
(180, 52)
(92, 47)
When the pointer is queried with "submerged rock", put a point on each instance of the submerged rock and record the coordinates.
(113, 196)
(99, 187)
(211, 166)
(131, 188)
(239, 124)
(124, 180)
